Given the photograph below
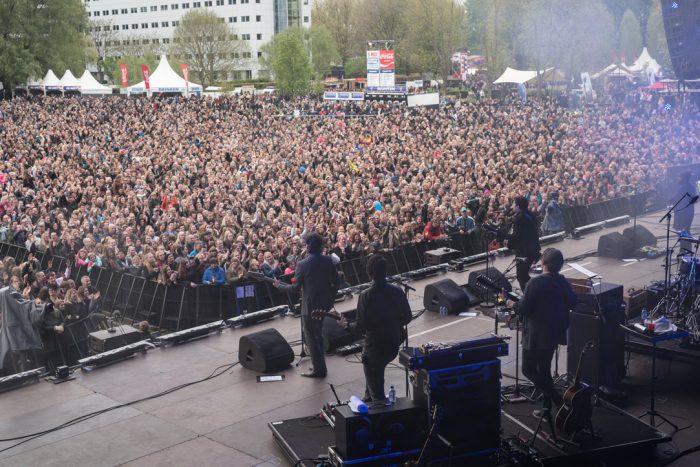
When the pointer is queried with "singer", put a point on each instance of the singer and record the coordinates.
(317, 278)
(382, 313)
(524, 240)
(684, 213)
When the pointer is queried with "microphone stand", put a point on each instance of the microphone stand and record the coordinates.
(406, 289)
(667, 262)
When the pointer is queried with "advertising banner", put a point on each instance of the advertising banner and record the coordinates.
(124, 74)
(146, 73)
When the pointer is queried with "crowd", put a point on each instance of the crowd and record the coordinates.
(197, 190)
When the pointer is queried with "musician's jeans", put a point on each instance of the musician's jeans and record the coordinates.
(373, 366)
(537, 367)
(522, 273)
(313, 335)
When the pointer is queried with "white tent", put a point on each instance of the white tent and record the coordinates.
(89, 85)
(164, 79)
(645, 63)
(512, 75)
(51, 82)
(69, 82)
(613, 70)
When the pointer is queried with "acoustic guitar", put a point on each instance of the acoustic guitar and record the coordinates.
(577, 410)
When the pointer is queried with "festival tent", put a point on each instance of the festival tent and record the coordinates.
(614, 71)
(164, 79)
(512, 75)
(645, 63)
(51, 82)
(69, 82)
(89, 85)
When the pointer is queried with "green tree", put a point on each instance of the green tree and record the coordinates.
(209, 46)
(630, 36)
(323, 50)
(340, 18)
(656, 37)
(356, 67)
(287, 59)
(133, 65)
(438, 30)
(36, 36)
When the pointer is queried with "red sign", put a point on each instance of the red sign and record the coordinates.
(125, 74)
(186, 74)
(386, 60)
(144, 70)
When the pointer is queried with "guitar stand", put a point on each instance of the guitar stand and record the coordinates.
(553, 433)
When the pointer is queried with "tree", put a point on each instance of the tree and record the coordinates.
(438, 30)
(323, 50)
(105, 40)
(36, 36)
(656, 37)
(630, 36)
(288, 60)
(340, 18)
(209, 46)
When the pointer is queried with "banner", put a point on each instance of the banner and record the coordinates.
(125, 75)
(186, 75)
(146, 82)
(373, 58)
(386, 68)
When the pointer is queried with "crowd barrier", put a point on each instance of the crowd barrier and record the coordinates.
(180, 306)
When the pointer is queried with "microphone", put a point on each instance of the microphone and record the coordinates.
(693, 199)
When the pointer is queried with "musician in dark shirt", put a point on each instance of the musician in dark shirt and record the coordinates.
(544, 310)
(317, 279)
(524, 240)
(382, 313)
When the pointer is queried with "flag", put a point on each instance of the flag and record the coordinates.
(125, 74)
(146, 81)
(353, 166)
(186, 74)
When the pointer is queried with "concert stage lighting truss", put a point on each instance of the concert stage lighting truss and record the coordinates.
(17, 380)
(187, 335)
(617, 221)
(114, 356)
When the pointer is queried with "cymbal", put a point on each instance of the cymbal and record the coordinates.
(686, 236)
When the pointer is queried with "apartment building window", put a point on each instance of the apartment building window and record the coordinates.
(233, 19)
(231, 2)
(97, 13)
(174, 6)
(105, 13)
(154, 7)
(166, 40)
(244, 2)
(185, 6)
(258, 18)
(115, 27)
(207, 3)
(125, 11)
(135, 26)
(125, 26)
(163, 7)
(245, 19)
(144, 25)
(196, 4)
(154, 24)
(245, 37)
(175, 23)
(306, 19)
(259, 54)
(258, 36)
(219, 2)
(144, 9)
(164, 24)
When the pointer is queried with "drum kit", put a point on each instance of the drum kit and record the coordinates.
(681, 302)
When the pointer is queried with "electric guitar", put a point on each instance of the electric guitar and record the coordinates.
(320, 313)
(487, 282)
(259, 276)
(577, 410)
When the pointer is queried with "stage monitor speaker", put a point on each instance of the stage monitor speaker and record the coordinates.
(382, 430)
(605, 364)
(615, 245)
(639, 236)
(265, 351)
(496, 277)
(445, 293)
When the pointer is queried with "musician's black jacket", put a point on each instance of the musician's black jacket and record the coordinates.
(544, 309)
(317, 279)
(525, 240)
(382, 311)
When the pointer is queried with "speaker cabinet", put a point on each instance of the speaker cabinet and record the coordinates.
(382, 430)
(604, 365)
(445, 293)
(265, 351)
(639, 236)
(335, 336)
(615, 245)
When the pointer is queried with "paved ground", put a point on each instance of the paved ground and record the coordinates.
(223, 421)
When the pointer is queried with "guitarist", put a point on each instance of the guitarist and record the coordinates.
(317, 279)
(524, 240)
(382, 313)
(544, 310)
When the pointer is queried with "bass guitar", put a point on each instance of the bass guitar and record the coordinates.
(577, 410)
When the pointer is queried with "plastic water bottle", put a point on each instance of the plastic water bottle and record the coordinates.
(644, 315)
(392, 395)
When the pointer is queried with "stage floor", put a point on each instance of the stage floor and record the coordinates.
(223, 421)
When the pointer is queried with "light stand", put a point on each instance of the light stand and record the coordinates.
(667, 261)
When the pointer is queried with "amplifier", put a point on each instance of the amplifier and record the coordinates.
(594, 297)
(382, 430)
(102, 341)
(441, 256)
